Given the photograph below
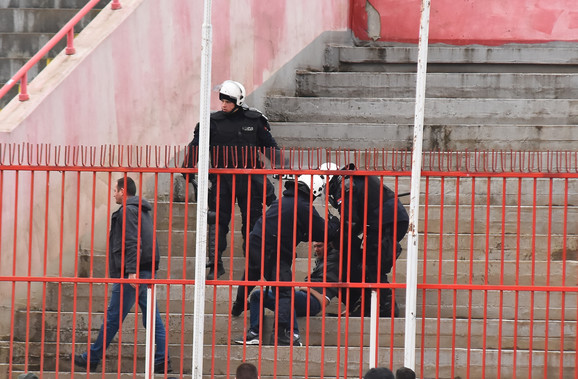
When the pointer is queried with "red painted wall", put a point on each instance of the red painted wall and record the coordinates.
(460, 22)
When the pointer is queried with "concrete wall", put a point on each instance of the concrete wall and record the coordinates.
(461, 22)
(135, 81)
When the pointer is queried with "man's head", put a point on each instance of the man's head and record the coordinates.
(319, 249)
(232, 95)
(123, 186)
(246, 371)
(404, 373)
(379, 373)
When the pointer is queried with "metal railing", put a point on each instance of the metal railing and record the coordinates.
(66, 31)
(496, 293)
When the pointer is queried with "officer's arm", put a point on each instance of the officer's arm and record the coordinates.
(190, 154)
(272, 150)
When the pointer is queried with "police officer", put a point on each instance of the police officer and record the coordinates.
(361, 201)
(272, 246)
(236, 135)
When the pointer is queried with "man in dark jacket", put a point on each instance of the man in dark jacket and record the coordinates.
(131, 255)
(238, 135)
(369, 209)
(326, 270)
(272, 246)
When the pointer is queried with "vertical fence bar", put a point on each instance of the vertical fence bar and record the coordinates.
(23, 96)
(203, 190)
(412, 240)
(70, 50)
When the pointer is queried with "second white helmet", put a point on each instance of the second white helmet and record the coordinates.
(232, 91)
(328, 166)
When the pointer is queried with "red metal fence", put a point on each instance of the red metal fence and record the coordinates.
(497, 287)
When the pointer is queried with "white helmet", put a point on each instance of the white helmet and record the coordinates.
(328, 166)
(316, 184)
(232, 91)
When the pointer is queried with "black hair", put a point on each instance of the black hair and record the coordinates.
(231, 99)
(247, 371)
(379, 373)
(130, 186)
(404, 373)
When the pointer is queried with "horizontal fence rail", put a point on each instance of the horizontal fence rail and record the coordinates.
(497, 289)
(168, 157)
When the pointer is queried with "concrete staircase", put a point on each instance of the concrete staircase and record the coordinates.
(363, 97)
(26, 26)
(451, 323)
(479, 98)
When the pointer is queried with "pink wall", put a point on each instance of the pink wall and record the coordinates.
(135, 81)
(136, 76)
(460, 22)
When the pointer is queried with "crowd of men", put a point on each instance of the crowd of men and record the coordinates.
(359, 245)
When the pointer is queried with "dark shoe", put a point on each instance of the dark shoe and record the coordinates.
(385, 310)
(160, 367)
(238, 308)
(81, 362)
(284, 338)
(252, 338)
(220, 271)
(357, 310)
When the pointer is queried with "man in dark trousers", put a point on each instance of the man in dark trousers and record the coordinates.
(238, 136)
(371, 210)
(131, 255)
(272, 248)
(313, 298)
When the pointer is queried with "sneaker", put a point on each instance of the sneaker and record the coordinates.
(220, 271)
(160, 367)
(80, 361)
(284, 338)
(251, 338)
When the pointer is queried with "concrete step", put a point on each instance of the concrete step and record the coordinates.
(443, 85)
(530, 267)
(10, 66)
(9, 96)
(23, 45)
(498, 247)
(494, 248)
(78, 4)
(437, 110)
(39, 20)
(318, 331)
(446, 303)
(335, 361)
(507, 58)
(364, 135)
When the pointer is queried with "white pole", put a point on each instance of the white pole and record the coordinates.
(203, 179)
(412, 240)
(150, 328)
(373, 331)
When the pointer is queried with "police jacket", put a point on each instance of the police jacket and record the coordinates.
(131, 239)
(234, 138)
(286, 207)
(373, 188)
